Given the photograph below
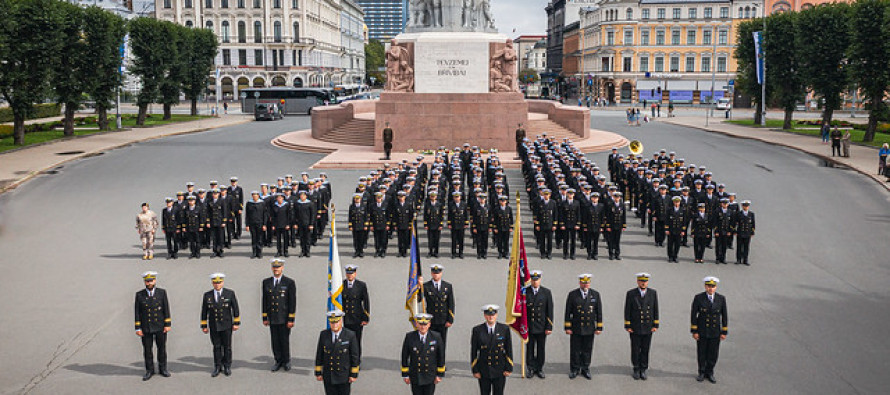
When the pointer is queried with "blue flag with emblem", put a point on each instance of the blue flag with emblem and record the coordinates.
(413, 279)
(335, 273)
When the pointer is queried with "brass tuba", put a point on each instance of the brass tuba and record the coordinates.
(636, 147)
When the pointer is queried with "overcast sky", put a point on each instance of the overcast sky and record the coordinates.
(526, 16)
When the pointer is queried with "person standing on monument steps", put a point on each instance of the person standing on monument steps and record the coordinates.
(387, 141)
(520, 136)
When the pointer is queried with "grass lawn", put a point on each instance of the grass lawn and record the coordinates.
(880, 138)
(83, 129)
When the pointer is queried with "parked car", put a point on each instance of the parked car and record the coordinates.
(360, 96)
(267, 111)
(723, 103)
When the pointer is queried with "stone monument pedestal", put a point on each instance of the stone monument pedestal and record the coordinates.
(429, 120)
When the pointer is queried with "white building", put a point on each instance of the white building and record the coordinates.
(536, 58)
(277, 42)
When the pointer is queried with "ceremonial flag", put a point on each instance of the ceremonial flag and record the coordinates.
(758, 55)
(413, 279)
(517, 279)
(335, 273)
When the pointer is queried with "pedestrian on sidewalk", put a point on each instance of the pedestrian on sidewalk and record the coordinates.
(825, 131)
(146, 225)
(226, 108)
(835, 142)
(845, 142)
(882, 159)
(670, 109)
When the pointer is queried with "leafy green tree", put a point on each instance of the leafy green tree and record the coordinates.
(783, 72)
(73, 70)
(174, 64)
(30, 31)
(528, 76)
(822, 39)
(104, 34)
(746, 73)
(200, 47)
(375, 58)
(869, 56)
(146, 40)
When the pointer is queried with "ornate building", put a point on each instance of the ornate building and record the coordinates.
(277, 42)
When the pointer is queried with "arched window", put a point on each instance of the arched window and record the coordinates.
(741, 13)
(188, 24)
(276, 31)
(296, 32)
(225, 31)
(209, 25)
(257, 32)
(242, 32)
(754, 12)
(629, 14)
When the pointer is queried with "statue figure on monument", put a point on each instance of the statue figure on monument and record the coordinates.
(506, 60)
(498, 82)
(419, 11)
(468, 13)
(399, 70)
(436, 13)
(485, 10)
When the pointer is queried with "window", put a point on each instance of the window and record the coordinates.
(276, 4)
(706, 37)
(629, 14)
(296, 32)
(628, 62)
(209, 25)
(645, 14)
(167, 4)
(675, 64)
(628, 37)
(242, 32)
(258, 57)
(224, 3)
(724, 12)
(721, 65)
(676, 13)
(605, 63)
(644, 64)
(753, 12)
(295, 4)
(708, 11)
(660, 13)
(659, 64)
(675, 37)
(690, 37)
(690, 64)
(693, 13)
(227, 57)
(659, 37)
(188, 24)
(242, 57)
(644, 37)
(721, 37)
(706, 64)
(240, 3)
(256, 3)
(188, 3)
(257, 32)
(276, 31)
(225, 31)
(741, 12)
(610, 38)
(208, 3)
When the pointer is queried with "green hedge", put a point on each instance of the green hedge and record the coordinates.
(40, 111)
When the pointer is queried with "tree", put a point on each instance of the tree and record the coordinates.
(146, 36)
(783, 65)
(200, 47)
(528, 76)
(31, 35)
(869, 56)
(173, 57)
(746, 73)
(104, 33)
(375, 59)
(72, 70)
(822, 39)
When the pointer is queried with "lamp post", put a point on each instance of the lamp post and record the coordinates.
(711, 103)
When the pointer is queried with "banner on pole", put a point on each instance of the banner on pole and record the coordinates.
(758, 55)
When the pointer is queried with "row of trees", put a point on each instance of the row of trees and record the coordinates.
(827, 50)
(52, 49)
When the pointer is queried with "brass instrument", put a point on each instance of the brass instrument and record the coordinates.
(636, 147)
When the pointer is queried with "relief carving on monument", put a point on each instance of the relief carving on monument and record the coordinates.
(400, 67)
(450, 15)
(503, 70)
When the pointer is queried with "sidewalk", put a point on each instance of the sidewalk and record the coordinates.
(19, 166)
(863, 159)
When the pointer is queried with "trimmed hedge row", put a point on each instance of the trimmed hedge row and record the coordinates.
(40, 111)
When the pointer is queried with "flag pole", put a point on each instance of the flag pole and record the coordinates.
(419, 270)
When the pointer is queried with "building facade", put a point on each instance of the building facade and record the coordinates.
(661, 50)
(277, 42)
(774, 6)
(385, 18)
(536, 58)
(524, 45)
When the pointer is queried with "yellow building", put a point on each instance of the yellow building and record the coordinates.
(661, 50)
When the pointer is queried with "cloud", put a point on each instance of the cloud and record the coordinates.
(526, 16)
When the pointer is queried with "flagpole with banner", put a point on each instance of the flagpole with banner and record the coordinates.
(415, 287)
(517, 279)
(335, 273)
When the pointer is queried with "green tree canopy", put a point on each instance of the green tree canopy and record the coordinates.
(869, 56)
(746, 73)
(783, 64)
(104, 34)
(200, 48)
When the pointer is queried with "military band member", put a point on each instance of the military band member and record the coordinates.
(403, 220)
(439, 297)
(723, 229)
(458, 221)
(279, 312)
(217, 216)
(710, 325)
(220, 316)
(356, 304)
(675, 227)
(171, 222)
(491, 353)
(337, 356)
(641, 321)
(380, 218)
(615, 222)
(433, 221)
(744, 228)
(569, 223)
(281, 223)
(481, 219)
(358, 224)
(423, 357)
(546, 221)
(502, 224)
(152, 324)
(304, 219)
(539, 305)
(255, 219)
(146, 225)
(193, 226)
(583, 320)
(701, 232)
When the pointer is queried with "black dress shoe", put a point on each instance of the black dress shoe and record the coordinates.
(617, 257)
(586, 374)
(643, 375)
(227, 371)
(573, 374)
(595, 258)
(611, 257)
(700, 377)
(540, 374)
(216, 371)
(529, 373)
(711, 378)
(636, 374)
(164, 373)
(286, 367)
(277, 367)
(148, 374)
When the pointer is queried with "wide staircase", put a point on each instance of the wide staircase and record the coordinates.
(358, 131)
(535, 127)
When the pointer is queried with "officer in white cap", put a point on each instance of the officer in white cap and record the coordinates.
(640, 321)
(356, 303)
(744, 230)
(220, 316)
(710, 325)
(491, 352)
(152, 324)
(337, 356)
(583, 320)
(279, 312)
(439, 297)
(539, 305)
(423, 357)
(236, 193)
(257, 213)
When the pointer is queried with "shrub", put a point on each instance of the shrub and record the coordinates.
(40, 111)
(5, 131)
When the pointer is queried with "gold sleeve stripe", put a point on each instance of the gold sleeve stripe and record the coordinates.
(167, 320)
(138, 323)
(203, 322)
(656, 322)
(626, 322)
(510, 361)
(318, 368)
(695, 327)
(355, 369)
(451, 312)
(725, 328)
(439, 369)
(290, 315)
(404, 369)
(474, 362)
(265, 315)
(599, 324)
(568, 324)
(550, 321)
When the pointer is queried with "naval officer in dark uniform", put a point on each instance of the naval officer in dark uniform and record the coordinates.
(337, 356)
(356, 303)
(539, 305)
(710, 325)
(152, 324)
(279, 312)
(439, 297)
(220, 316)
(583, 320)
(387, 141)
(641, 321)
(491, 353)
(423, 357)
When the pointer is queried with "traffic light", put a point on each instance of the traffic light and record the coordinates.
(652, 93)
(659, 90)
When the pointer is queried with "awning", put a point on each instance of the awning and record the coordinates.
(719, 85)
(647, 84)
(679, 85)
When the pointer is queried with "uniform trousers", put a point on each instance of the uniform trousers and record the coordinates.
(708, 349)
(229, 232)
(741, 252)
(148, 242)
(433, 235)
(217, 237)
(222, 347)
(238, 224)
(673, 246)
(172, 245)
(337, 389)
(722, 243)
(380, 241)
(159, 339)
(194, 240)
(568, 247)
(581, 352)
(404, 241)
(593, 242)
(503, 238)
(280, 334)
(546, 243)
(358, 328)
(613, 239)
(256, 238)
(457, 241)
(305, 236)
(281, 241)
(639, 350)
(534, 351)
(442, 330)
(428, 389)
(698, 245)
(659, 232)
(493, 386)
(358, 240)
(481, 238)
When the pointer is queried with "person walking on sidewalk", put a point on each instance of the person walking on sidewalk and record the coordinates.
(146, 225)
(825, 130)
(845, 142)
(835, 142)
(882, 159)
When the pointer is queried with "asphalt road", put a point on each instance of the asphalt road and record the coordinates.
(808, 316)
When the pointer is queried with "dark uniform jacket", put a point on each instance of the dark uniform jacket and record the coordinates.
(152, 313)
(547, 215)
(701, 226)
(336, 363)
(540, 310)
(675, 220)
(256, 214)
(482, 217)
(422, 362)
(358, 217)
(356, 303)
(237, 196)
(279, 302)
(304, 213)
(744, 224)
(171, 219)
(433, 215)
(723, 222)
(502, 218)
(491, 355)
(641, 313)
(570, 214)
(379, 215)
(217, 212)
(458, 216)
(593, 222)
(709, 320)
(615, 216)
(403, 215)
(439, 303)
(281, 215)
(222, 315)
(584, 316)
(193, 219)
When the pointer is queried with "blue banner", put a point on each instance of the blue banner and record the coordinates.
(681, 96)
(758, 54)
(646, 94)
